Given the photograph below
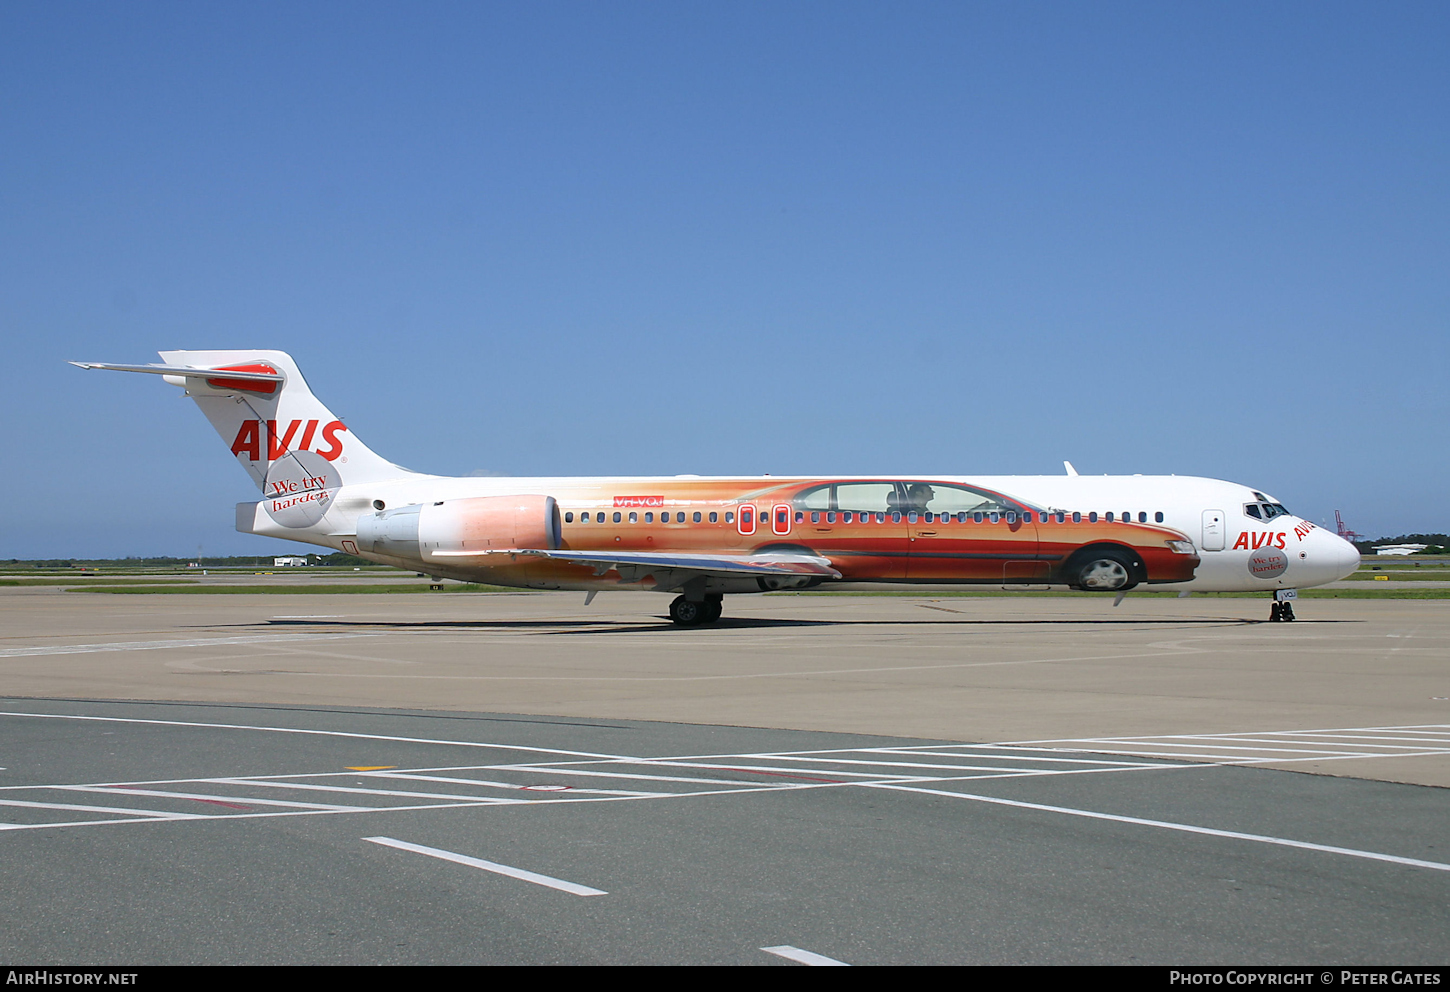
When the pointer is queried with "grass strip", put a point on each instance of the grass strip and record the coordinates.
(319, 590)
(85, 582)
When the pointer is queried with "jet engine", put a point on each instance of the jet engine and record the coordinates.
(478, 524)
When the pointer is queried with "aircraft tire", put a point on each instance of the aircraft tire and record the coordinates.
(687, 614)
(714, 606)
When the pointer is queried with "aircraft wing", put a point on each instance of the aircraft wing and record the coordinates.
(705, 564)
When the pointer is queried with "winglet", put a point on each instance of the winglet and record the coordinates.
(1070, 469)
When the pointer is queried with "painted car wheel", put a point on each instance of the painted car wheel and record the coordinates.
(1104, 575)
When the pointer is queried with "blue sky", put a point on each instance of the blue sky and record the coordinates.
(619, 238)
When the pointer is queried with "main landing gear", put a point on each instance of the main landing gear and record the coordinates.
(1281, 611)
(687, 614)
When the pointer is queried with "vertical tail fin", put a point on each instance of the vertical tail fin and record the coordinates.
(278, 431)
(281, 434)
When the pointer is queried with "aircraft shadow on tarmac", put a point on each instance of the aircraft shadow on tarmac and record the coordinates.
(605, 626)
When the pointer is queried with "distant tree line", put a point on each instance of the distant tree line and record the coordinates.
(234, 561)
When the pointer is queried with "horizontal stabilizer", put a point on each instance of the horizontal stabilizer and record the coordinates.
(184, 370)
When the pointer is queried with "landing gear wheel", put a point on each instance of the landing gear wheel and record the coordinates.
(688, 614)
(1276, 612)
(1286, 611)
(714, 606)
(1105, 572)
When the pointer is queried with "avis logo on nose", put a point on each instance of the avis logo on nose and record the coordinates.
(249, 439)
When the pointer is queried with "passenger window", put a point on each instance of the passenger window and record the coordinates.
(800, 517)
(1076, 517)
(584, 518)
(995, 517)
(1011, 516)
(697, 516)
(1110, 516)
(1127, 516)
(633, 517)
(896, 518)
(815, 516)
(1158, 516)
(830, 518)
(649, 518)
(1142, 516)
(568, 518)
(1093, 517)
(978, 517)
(729, 516)
(616, 516)
(714, 517)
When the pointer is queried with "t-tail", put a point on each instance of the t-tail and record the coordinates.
(295, 449)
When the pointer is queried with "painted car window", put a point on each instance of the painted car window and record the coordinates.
(815, 498)
(865, 497)
(942, 498)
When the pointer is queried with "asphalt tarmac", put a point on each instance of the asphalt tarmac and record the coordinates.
(517, 779)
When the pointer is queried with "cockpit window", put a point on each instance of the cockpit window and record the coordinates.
(1265, 510)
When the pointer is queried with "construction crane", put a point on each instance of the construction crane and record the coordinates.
(1344, 531)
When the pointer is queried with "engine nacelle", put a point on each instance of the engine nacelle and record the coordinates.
(478, 524)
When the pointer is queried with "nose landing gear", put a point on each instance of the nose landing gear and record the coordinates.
(1281, 612)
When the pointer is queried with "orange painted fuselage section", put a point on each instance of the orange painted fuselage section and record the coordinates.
(870, 529)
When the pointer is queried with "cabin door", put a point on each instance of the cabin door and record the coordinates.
(1213, 530)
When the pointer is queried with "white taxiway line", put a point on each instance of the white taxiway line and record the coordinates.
(1166, 825)
(463, 859)
(317, 733)
(206, 797)
(145, 814)
(803, 957)
(205, 642)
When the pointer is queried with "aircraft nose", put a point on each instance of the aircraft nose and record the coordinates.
(1331, 556)
(1345, 556)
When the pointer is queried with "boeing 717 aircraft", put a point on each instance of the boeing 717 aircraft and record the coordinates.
(703, 538)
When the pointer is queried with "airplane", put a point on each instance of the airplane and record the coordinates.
(702, 538)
